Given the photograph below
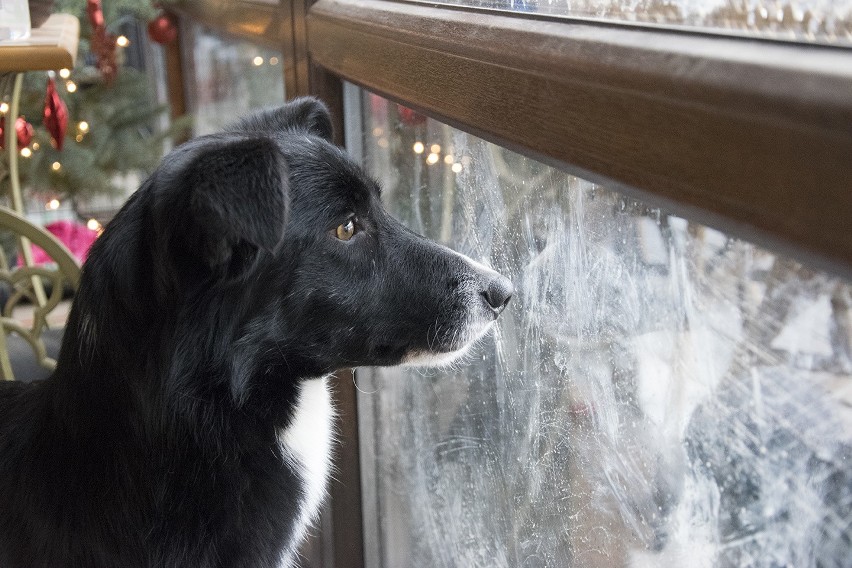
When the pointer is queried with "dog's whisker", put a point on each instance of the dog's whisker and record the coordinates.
(358, 387)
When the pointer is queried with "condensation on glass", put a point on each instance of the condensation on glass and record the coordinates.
(657, 394)
(228, 77)
(818, 21)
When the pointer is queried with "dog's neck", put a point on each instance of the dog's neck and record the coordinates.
(205, 359)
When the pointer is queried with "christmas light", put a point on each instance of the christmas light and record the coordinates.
(64, 73)
(419, 147)
(53, 204)
(383, 143)
(122, 41)
(258, 61)
(26, 152)
(432, 158)
(83, 126)
(79, 138)
(70, 86)
(55, 166)
(457, 167)
(448, 159)
(377, 131)
(36, 146)
(435, 148)
(93, 225)
(273, 61)
(4, 108)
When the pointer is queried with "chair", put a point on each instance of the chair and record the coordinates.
(36, 288)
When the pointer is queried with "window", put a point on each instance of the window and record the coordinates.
(227, 77)
(741, 134)
(667, 183)
(658, 393)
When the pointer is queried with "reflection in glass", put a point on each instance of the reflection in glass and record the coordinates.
(228, 77)
(819, 21)
(657, 394)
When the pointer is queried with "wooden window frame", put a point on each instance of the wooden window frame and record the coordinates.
(750, 136)
(276, 24)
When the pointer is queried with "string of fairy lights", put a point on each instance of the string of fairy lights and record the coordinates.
(432, 153)
(434, 156)
(82, 129)
(258, 60)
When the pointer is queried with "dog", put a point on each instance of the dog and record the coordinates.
(188, 421)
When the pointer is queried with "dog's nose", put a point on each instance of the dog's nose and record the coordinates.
(498, 292)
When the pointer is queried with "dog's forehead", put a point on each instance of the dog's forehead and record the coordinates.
(324, 172)
(321, 176)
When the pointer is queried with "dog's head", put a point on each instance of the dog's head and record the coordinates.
(267, 247)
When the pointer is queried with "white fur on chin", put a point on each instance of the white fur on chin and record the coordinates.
(433, 359)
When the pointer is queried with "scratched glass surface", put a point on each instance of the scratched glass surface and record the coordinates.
(228, 77)
(657, 394)
(816, 21)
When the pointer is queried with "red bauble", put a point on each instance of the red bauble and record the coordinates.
(55, 114)
(162, 29)
(23, 130)
(410, 117)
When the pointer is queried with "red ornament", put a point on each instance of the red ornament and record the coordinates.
(23, 130)
(410, 117)
(102, 43)
(163, 29)
(55, 114)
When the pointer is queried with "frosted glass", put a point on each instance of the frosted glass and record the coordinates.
(657, 394)
(819, 21)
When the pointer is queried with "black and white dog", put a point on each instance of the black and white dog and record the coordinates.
(188, 422)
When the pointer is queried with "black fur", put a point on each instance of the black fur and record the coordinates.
(217, 289)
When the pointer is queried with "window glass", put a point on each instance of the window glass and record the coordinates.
(821, 21)
(227, 77)
(657, 393)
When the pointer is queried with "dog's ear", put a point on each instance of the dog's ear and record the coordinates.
(303, 114)
(238, 199)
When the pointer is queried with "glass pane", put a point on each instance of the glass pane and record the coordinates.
(657, 394)
(227, 77)
(820, 21)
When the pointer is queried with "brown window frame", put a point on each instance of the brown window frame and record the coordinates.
(751, 136)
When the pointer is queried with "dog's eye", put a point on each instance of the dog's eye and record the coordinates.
(345, 231)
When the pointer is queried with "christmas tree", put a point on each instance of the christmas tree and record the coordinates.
(114, 122)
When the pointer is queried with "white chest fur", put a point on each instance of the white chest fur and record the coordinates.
(306, 443)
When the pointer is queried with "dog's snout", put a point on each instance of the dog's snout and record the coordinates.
(498, 292)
